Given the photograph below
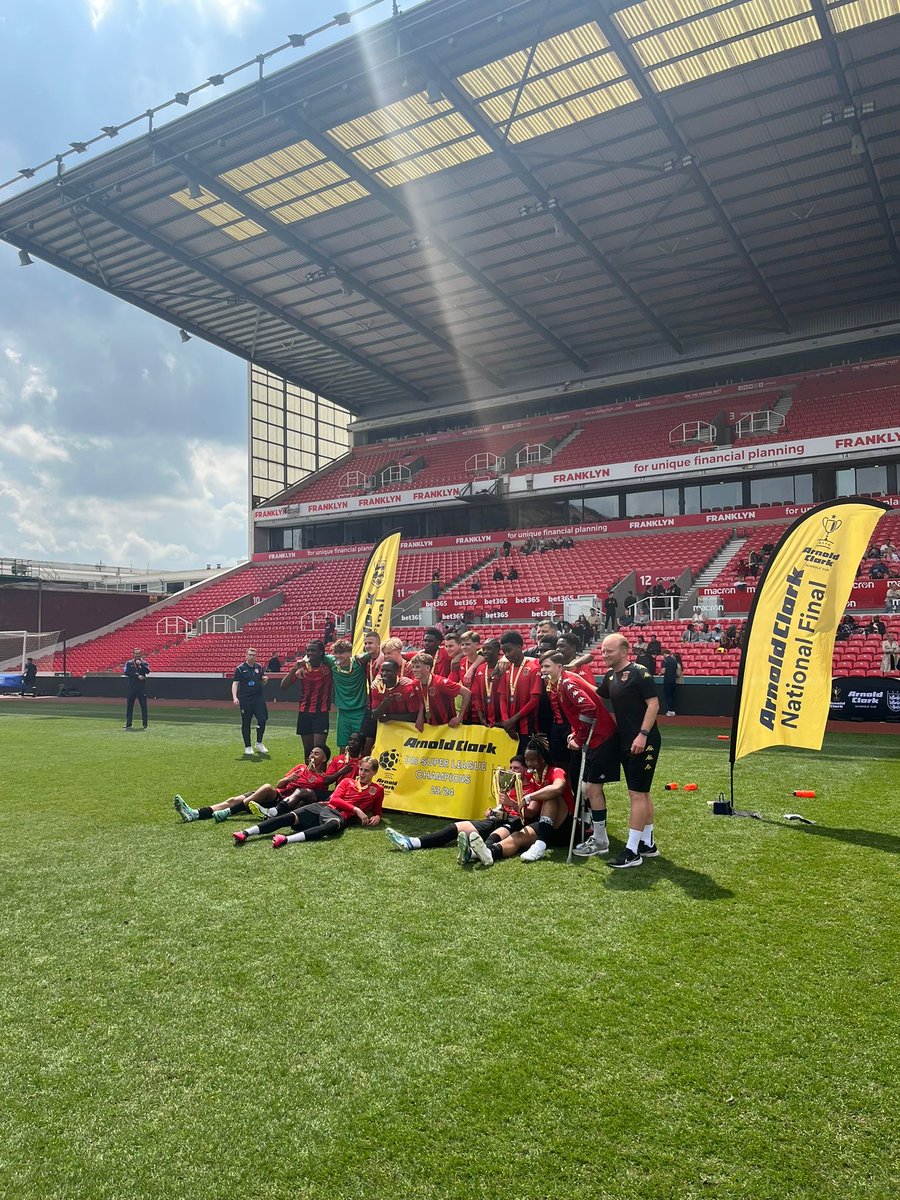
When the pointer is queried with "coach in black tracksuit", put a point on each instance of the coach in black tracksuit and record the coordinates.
(136, 671)
(247, 693)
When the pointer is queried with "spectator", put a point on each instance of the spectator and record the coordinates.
(273, 666)
(476, 586)
(876, 626)
(741, 571)
(730, 637)
(498, 575)
(136, 671)
(690, 633)
(626, 619)
(767, 548)
(610, 608)
(716, 635)
(507, 548)
(654, 646)
(513, 575)
(879, 570)
(673, 590)
(670, 681)
(329, 631)
(29, 678)
(892, 598)
(890, 654)
(645, 659)
(755, 563)
(436, 585)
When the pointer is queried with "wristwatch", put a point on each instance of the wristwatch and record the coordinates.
(645, 732)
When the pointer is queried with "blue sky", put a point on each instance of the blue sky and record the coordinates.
(117, 442)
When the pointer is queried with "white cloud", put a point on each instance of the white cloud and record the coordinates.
(29, 443)
(98, 11)
(14, 356)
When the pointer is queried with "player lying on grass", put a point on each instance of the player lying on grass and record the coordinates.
(343, 766)
(504, 819)
(299, 786)
(353, 800)
(553, 798)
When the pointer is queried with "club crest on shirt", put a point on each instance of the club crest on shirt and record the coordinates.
(626, 675)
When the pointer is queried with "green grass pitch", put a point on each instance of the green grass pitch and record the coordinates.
(181, 1019)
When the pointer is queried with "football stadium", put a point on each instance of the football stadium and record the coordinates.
(572, 344)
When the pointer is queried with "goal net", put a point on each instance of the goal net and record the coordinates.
(18, 645)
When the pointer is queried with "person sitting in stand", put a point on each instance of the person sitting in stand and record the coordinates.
(513, 574)
(497, 575)
(875, 626)
(475, 585)
(879, 570)
(273, 666)
(353, 801)
(654, 646)
(497, 822)
(755, 562)
(730, 637)
(892, 598)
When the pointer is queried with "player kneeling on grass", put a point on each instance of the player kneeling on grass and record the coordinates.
(508, 817)
(352, 800)
(550, 795)
(301, 785)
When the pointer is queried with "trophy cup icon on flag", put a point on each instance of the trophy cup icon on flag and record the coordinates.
(830, 525)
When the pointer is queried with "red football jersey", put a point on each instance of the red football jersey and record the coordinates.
(553, 775)
(439, 699)
(349, 794)
(520, 692)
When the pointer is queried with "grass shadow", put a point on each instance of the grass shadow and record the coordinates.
(694, 884)
(887, 843)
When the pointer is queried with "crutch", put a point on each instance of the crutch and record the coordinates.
(578, 814)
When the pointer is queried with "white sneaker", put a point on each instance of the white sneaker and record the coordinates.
(248, 753)
(480, 850)
(670, 713)
(537, 851)
(260, 748)
(593, 845)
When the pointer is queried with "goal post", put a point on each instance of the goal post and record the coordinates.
(18, 645)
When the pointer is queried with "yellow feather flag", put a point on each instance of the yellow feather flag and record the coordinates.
(784, 685)
(376, 592)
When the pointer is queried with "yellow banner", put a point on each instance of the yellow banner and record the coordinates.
(443, 772)
(376, 592)
(784, 686)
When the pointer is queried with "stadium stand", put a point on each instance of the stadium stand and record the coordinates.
(595, 565)
(312, 590)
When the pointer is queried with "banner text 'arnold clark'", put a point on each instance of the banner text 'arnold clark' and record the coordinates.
(443, 771)
(785, 681)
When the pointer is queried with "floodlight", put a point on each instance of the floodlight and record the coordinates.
(296, 40)
(195, 191)
(25, 259)
(184, 335)
(216, 80)
(182, 98)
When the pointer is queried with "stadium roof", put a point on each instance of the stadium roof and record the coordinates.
(472, 198)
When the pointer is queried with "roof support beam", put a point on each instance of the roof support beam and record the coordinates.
(277, 229)
(64, 264)
(680, 148)
(849, 101)
(486, 131)
(419, 223)
(228, 285)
